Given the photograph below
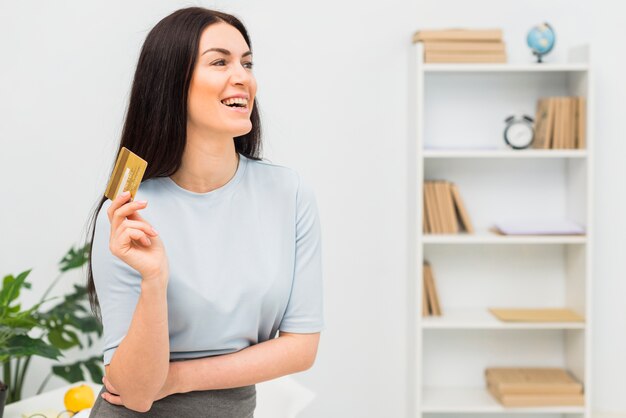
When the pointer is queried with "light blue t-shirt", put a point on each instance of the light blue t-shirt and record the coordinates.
(244, 262)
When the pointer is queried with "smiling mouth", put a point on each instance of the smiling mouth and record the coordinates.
(237, 107)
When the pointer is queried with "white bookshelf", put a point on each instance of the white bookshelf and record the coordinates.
(459, 112)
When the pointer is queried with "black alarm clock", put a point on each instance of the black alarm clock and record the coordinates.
(519, 132)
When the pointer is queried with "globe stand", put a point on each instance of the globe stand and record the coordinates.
(539, 57)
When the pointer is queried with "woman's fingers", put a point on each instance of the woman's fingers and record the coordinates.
(141, 225)
(116, 204)
(125, 211)
(135, 234)
(123, 241)
(112, 399)
(109, 387)
(111, 395)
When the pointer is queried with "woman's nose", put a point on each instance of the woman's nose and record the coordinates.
(241, 74)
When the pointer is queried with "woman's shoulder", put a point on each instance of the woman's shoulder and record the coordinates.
(269, 173)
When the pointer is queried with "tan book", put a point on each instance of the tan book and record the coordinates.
(425, 221)
(566, 122)
(443, 226)
(573, 121)
(532, 380)
(570, 141)
(565, 116)
(432, 290)
(549, 128)
(445, 58)
(558, 123)
(447, 207)
(483, 35)
(431, 207)
(465, 47)
(522, 400)
(460, 209)
(536, 315)
(451, 208)
(541, 116)
(581, 123)
(426, 291)
(556, 128)
(436, 192)
(425, 305)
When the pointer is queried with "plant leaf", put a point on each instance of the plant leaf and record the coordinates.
(11, 288)
(71, 372)
(74, 258)
(57, 337)
(74, 373)
(95, 371)
(23, 345)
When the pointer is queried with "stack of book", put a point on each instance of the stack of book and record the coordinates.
(534, 387)
(462, 45)
(430, 298)
(560, 123)
(444, 209)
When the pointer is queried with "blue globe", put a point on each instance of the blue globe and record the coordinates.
(541, 39)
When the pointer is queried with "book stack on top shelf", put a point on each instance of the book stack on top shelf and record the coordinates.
(533, 386)
(462, 45)
(560, 123)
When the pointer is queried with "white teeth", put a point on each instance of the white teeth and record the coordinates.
(236, 100)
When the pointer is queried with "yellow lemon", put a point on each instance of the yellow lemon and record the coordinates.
(79, 398)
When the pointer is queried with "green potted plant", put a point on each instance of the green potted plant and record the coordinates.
(58, 329)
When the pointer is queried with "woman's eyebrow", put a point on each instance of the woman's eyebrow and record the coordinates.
(225, 51)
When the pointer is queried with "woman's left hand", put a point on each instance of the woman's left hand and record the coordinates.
(111, 395)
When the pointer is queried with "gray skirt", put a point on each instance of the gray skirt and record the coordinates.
(222, 403)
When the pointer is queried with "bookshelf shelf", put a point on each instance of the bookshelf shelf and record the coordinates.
(492, 238)
(480, 154)
(466, 319)
(459, 112)
(506, 68)
(452, 400)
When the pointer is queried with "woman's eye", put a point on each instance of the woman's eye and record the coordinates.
(222, 62)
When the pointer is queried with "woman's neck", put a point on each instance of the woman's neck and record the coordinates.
(206, 165)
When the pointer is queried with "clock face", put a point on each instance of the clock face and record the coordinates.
(519, 135)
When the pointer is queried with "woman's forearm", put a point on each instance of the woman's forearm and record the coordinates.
(268, 360)
(140, 364)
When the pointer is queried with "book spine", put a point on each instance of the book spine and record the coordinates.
(484, 35)
(436, 57)
(465, 47)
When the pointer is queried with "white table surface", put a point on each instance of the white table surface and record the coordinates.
(46, 402)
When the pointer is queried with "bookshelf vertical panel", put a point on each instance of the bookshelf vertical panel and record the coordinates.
(419, 178)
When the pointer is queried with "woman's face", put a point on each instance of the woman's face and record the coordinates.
(218, 75)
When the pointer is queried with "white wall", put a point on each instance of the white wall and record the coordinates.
(333, 80)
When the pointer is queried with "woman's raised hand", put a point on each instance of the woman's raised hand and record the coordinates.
(133, 239)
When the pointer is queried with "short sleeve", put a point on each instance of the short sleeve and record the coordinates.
(118, 286)
(304, 312)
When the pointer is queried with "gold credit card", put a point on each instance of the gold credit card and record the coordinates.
(126, 175)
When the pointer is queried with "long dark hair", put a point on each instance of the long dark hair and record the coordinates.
(155, 127)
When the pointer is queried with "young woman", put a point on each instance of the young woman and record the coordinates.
(191, 311)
